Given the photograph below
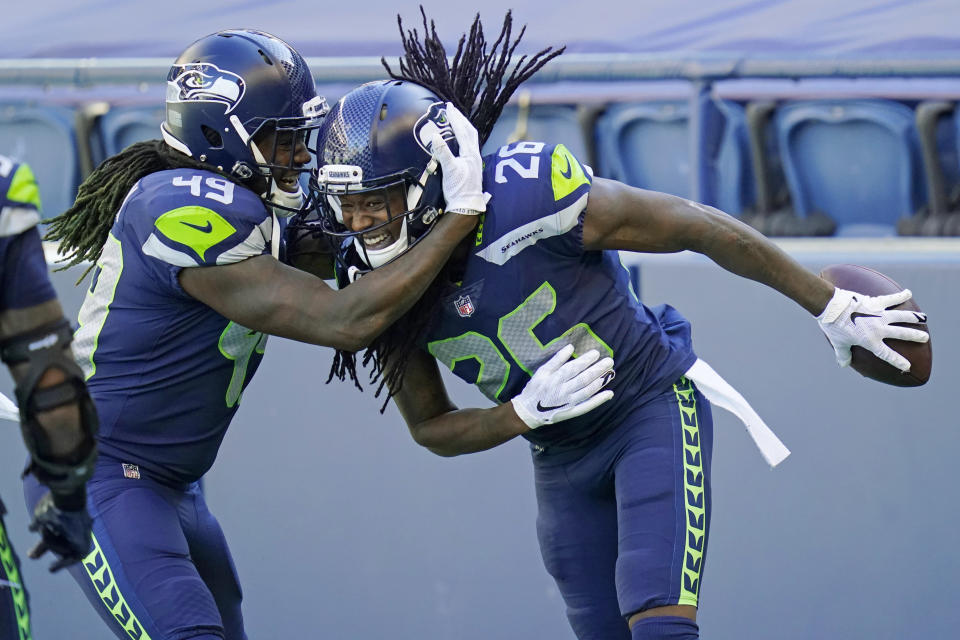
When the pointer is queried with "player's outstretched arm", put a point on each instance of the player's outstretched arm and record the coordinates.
(623, 217)
(265, 295)
(261, 294)
(559, 390)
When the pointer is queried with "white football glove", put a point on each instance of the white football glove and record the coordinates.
(562, 389)
(462, 174)
(853, 319)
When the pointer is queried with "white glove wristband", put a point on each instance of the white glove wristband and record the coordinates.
(562, 388)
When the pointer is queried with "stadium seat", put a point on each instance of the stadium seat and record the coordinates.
(551, 123)
(122, 126)
(44, 137)
(648, 145)
(857, 161)
(733, 188)
(935, 129)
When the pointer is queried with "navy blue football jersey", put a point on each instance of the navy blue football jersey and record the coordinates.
(24, 281)
(165, 370)
(530, 287)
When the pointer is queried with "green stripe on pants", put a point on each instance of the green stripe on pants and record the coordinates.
(18, 595)
(693, 492)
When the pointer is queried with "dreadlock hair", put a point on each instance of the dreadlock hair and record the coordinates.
(82, 229)
(479, 82)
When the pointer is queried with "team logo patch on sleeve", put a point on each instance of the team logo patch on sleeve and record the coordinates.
(204, 82)
(196, 227)
(566, 173)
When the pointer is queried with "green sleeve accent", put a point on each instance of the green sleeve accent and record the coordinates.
(196, 227)
(23, 187)
(566, 173)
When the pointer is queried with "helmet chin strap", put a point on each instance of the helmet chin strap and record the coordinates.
(375, 258)
(288, 203)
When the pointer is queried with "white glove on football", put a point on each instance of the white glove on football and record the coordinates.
(562, 389)
(853, 319)
(462, 174)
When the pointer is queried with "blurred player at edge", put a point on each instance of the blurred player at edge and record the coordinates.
(57, 418)
(624, 492)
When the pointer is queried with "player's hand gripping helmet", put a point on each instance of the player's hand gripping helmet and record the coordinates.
(232, 87)
(373, 148)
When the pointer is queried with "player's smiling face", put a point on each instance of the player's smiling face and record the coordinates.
(285, 150)
(369, 210)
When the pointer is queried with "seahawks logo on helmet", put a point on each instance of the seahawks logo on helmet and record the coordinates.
(435, 119)
(204, 82)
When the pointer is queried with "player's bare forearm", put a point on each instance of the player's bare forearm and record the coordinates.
(469, 430)
(265, 295)
(437, 424)
(742, 250)
(626, 218)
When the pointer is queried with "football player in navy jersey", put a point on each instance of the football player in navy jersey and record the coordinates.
(624, 491)
(184, 232)
(56, 415)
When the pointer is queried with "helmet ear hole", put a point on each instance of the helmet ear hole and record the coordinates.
(212, 136)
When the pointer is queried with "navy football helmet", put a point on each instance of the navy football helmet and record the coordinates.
(377, 138)
(230, 86)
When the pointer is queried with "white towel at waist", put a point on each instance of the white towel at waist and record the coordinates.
(719, 392)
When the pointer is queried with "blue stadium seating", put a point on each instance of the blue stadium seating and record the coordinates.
(44, 137)
(733, 186)
(550, 123)
(647, 145)
(855, 160)
(122, 126)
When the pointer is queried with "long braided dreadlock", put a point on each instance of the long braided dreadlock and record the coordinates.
(82, 229)
(478, 84)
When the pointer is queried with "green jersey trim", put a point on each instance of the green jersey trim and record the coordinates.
(96, 306)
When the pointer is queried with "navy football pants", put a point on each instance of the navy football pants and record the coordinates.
(160, 564)
(623, 522)
(14, 603)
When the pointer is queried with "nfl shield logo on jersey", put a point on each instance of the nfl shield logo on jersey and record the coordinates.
(464, 306)
(131, 471)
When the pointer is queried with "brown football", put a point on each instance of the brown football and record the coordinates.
(873, 283)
